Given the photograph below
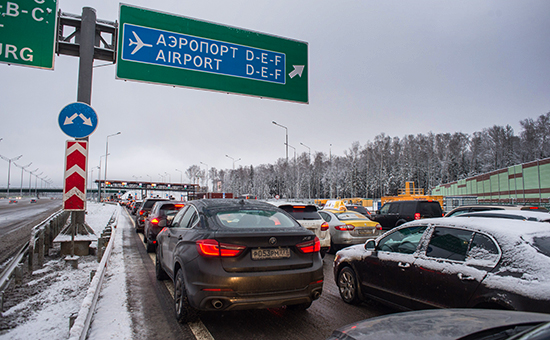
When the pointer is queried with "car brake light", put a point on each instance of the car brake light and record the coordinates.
(324, 226)
(213, 248)
(308, 247)
(378, 227)
(345, 227)
(141, 212)
(417, 216)
(155, 221)
(179, 205)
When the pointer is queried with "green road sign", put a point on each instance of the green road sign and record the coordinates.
(174, 50)
(27, 32)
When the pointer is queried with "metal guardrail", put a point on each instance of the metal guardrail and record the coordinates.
(41, 240)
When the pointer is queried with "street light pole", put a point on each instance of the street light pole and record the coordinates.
(181, 176)
(309, 161)
(286, 133)
(23, 168)
(36, 184)
(9, 160)
(206, 175)
(30, 180)
(233, 160)
(107, 154)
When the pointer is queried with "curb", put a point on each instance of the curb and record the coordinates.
(82, 323)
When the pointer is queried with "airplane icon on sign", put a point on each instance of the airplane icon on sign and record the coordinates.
(139, 44)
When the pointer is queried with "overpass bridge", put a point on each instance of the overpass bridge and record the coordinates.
(110, 187)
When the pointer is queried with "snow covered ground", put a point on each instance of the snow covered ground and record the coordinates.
(58, 292)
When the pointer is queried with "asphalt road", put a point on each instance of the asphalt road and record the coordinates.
(17, 221)
(151, 303)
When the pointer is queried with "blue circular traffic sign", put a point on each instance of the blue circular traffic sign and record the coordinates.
(78, 120)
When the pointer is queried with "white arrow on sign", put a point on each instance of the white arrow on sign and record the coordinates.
(69, 120)
(87, 121)
(298, 69)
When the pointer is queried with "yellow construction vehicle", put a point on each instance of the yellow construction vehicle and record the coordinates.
(411, 193)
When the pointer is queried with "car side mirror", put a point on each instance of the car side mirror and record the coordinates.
(169, 220)
(370, 244)
(377, 212)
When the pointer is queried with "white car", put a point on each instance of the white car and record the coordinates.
(308, 216)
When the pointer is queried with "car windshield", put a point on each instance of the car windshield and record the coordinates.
(254, 219)
(346, 216)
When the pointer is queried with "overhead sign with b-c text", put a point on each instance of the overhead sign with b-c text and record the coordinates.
(174, 50)
(27, 32)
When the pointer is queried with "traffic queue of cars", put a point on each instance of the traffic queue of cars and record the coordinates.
(407, 255)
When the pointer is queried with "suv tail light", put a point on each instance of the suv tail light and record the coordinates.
(345, 227)
(308, 247)
(141, 212)
(324, 226)
(417, 216)
(213, 248)
(155, 221)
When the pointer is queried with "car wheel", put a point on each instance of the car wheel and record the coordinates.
(300, 306)
(347, 286)
(160, 273)
(184, 311)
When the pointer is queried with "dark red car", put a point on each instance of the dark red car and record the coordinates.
(161, 213)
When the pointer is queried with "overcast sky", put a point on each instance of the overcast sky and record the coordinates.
(393, 67)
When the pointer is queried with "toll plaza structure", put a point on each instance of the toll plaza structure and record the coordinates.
(145, 188)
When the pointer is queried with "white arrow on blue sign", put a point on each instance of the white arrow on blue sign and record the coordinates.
(78, 120)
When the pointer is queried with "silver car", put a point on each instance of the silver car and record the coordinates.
(308, 216)
(348, 228)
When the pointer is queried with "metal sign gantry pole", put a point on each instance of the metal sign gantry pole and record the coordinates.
(86, 42)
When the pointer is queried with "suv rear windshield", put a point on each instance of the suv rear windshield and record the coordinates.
(148, 204)
(254, 219)
(302, 212)
(430, 209)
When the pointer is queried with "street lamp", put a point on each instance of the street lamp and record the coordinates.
(206, 174)
(233, 160)
(30, 180)
(99, 178)
(181, 176)
(308, 149)
(36, 183)
(286, 133)
(169, 177)
(107, 154)
(23, 168)
(309, 161)
(9, 160)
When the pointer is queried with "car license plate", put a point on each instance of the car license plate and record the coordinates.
(270, 253)
(365, 232)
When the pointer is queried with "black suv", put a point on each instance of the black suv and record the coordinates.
(393, 214)
(144, 210)
(228, 254)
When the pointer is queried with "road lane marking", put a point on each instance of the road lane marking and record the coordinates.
(198, 328)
